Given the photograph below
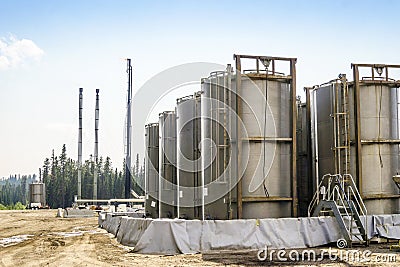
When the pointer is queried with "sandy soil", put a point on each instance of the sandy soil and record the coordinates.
(51, 241)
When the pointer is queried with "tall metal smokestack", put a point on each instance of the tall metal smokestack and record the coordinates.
(128, 133)
(96, 145)
(80, 144)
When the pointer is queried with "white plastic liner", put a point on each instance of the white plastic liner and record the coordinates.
(175, 236)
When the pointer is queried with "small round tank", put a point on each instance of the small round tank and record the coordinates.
(37, 193)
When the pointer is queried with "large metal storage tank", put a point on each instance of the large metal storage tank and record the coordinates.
(323, 135)
(373, 131)
(304, 164)
(376, 135)
(167, 194)
(188, 156)
(253, 145)
(37, 193)
(268, 188)
(151, 169)
(218, 141)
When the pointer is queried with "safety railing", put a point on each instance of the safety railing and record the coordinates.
(321, 190)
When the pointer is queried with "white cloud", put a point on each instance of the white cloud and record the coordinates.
(16, 52)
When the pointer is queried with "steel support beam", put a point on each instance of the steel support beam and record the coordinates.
(357, 121)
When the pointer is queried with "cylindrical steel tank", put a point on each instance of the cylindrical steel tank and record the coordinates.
(304, 166)
(167, 194)
(267, 178)
(251, 144)
(37, 193)
(188, 156)
(378, 118)
(216, 146)
(323, 135)
(151, 169)
(373, 133)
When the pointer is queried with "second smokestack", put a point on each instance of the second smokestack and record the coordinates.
(96, 145)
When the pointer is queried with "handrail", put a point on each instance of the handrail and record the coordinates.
(341, 203)
(315, 200)
(356, 193)
(338, 178)
(343, 191)
(360, 202)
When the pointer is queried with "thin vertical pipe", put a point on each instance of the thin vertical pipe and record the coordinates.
(128, 132)
(80, 144)
(96, 145)
(239, 135)
(294, 138)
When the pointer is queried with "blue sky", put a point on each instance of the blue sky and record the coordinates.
(84, 43)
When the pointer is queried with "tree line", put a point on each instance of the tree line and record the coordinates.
(60, 175)
(14, 191)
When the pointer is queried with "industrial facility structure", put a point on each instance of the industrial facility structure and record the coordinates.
(354, 129)
(245, 147)
(235, 147)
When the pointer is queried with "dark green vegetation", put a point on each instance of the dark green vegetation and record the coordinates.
(60, 174)
(14, 190)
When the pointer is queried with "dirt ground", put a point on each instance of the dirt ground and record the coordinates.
(38, 238)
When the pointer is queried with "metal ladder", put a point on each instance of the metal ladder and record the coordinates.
(337, 195)
(341, 120)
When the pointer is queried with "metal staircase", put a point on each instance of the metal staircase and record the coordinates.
(337, 195)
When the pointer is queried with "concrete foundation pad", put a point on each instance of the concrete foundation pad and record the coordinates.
(79, 213)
